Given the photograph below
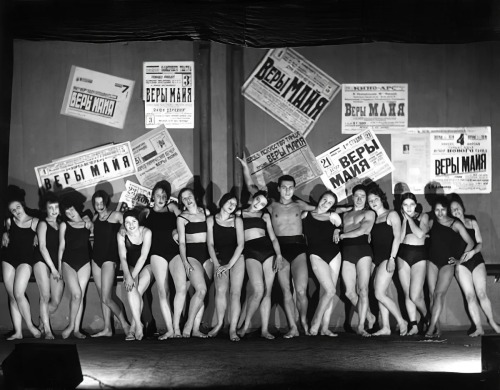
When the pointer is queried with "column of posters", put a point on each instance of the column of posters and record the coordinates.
(353, 160)
(97, 97)
(158, 158)
(168, 94)
(290, 89)
(451, 159)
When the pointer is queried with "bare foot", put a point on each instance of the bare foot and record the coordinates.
(363, 332)
(328, 332)
(306, 329)
(371, 320)
(199, 334)
(139, 336)
(36, 333)
(103, 333)
(477, 333)
(166, 335)
(291, 333)
(215, 331)
(383, 332)
(67, 332)
(233, 336)
(433, 333)
(313, 331)
(126, 328)
(15, 336)
(79, 335)
(495, 327)
(268, 335)
(413, 330)
(242, 332)
(403, 328)
(49, 336)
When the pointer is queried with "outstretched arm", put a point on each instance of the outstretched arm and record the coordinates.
(251, 187)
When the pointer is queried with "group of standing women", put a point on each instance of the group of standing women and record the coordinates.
(367, 242)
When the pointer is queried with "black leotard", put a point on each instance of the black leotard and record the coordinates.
(382, 238)
(475, 260)
(133, 252)
(51, 243)
(444, 243)
(225, 242)
(319, 236)
(161, 226)
(105, 243)
(20, 249)
(76, 248)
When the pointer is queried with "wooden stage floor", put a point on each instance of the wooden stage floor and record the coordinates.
(345, 362)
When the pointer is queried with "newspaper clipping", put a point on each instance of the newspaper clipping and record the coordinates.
(97, 97)
(81, 170)
(290, 89)
(158, 158)
(290, 155)
(443, 159)
(168, 94)
(380, 107)
(128, 198)
(358, 158)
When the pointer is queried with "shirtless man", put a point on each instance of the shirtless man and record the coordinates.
(287, 224)
(357, 256)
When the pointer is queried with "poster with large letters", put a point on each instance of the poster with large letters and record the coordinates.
(97, 97)
(443, 159)
(291, 89)
(168, 94)
(380, 107)
(81, 170)
(289, 155)
(352, 161)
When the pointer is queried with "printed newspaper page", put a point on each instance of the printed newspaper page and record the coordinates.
(128, 196)
(446, 159)
(81, 170)
(168, 94)
(97, 97)
(158, 158)
(380, 107)
(350, 162)
(290, 89)
(290, 155)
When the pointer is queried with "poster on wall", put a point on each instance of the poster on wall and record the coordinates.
(289, 155)
(97, 97)
(82, 170)
(380, 107)
(442, 159)
(168, 94)
(158, 158)
(291, 89)
(352, 161)
(128, 197)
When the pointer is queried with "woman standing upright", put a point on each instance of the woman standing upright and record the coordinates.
(192, 230)
(445, 233)
(319, 227)
(74, 261)
(46, 269)
(471, 273)
(225, 241)
(385, 239)
(164, 253)
(105, 259)
(412, 258)
(17, 263)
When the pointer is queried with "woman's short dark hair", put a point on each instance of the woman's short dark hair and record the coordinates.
(261, 193)
(454, 197)
(181, 192)
(443, 201)
(134, 213)
(408, 195)
(101, 194)
(162, 185)
(329, 192)
(377, 191)
(226, 197)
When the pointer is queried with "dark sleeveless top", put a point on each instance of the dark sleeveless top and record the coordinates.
(133, 251)
(20, 249)
(225, 242)
(105, 242)
(161, 226)
(254, 222)
(51, 243)
(76, 249)
(478, 257)
(317, 232)
(382, 238)
(444, 243)
(195, 227)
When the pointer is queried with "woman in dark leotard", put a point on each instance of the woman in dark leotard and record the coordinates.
(161, 219)
(262, 259)
(74, 261)
(471, 272)
(17, 262)
(225, 239)
(445, 233)
(324, 254)
(192, 230)
(385, 239)
(105, 258)
(133, 249)
(47, 274)
(412, 264)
